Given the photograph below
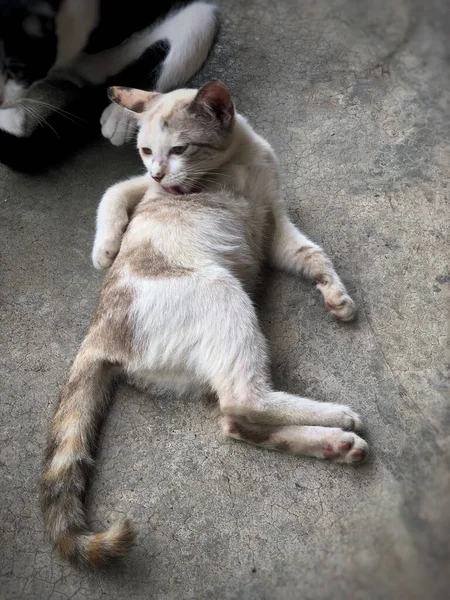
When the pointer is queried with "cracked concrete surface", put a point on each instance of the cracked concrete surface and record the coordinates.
(354, 96)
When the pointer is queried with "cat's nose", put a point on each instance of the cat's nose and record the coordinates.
(157, 177)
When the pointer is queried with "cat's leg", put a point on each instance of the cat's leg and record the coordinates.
(281, 421)
(261, 404)
(113, 216)
(320, 442)
(232, 354)
(293, 252)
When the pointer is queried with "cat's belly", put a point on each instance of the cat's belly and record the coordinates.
(178, 321)
(181, 382)
(180, 236)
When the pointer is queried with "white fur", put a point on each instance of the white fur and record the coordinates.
(190, 32)
(12, 121)
(12, 118)
(201, 330)
(10, 91)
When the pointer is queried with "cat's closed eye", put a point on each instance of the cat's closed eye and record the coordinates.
(146, 151)
(178, 149)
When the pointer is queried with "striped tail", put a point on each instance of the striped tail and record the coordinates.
(68, 459)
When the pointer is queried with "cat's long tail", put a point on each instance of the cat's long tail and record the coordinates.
(68, 458)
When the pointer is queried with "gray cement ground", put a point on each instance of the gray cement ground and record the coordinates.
(354, 95)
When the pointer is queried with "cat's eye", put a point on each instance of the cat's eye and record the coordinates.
(146, 151)
(178, 149)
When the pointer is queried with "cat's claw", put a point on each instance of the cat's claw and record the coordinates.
(118, 124)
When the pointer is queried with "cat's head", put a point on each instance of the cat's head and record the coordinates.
(28, 45)
(183, 135)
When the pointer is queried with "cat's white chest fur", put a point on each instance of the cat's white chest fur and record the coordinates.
(12, 121)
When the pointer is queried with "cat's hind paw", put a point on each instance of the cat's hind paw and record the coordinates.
(344, 447)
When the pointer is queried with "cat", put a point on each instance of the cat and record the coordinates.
(184, 245)
(57, 57)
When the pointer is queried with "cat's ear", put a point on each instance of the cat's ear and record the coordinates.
(138, 101)
(214, 99)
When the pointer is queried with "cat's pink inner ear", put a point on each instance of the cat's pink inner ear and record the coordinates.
(216, 98)
(138, 101)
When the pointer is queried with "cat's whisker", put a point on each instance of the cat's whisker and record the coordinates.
(64, 113)
(38, 118)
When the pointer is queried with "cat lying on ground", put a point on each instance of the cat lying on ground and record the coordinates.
(184, 245)
(58, 56)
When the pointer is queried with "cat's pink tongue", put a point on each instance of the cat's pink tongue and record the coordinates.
(175, 190)
(178, 190)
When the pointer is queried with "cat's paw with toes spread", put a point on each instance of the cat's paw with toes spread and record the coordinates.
(104, 253)
(344, 447)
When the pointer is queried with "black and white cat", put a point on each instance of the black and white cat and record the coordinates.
(58, 56)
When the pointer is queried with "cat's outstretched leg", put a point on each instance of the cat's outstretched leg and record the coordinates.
(113, 216)
(280, 421)
(264, 406)
(232, 354)
(320, 442)
(293, 252)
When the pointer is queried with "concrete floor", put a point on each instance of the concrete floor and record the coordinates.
(354, 95)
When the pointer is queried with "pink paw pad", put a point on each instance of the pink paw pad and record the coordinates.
(344, 451)
(345, 446)
(358, 455)
(329, 451)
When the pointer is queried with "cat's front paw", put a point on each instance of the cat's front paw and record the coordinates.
(341, 306)
(118, 125)
(104, 253)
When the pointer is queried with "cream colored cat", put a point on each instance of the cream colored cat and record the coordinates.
(185, 244)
